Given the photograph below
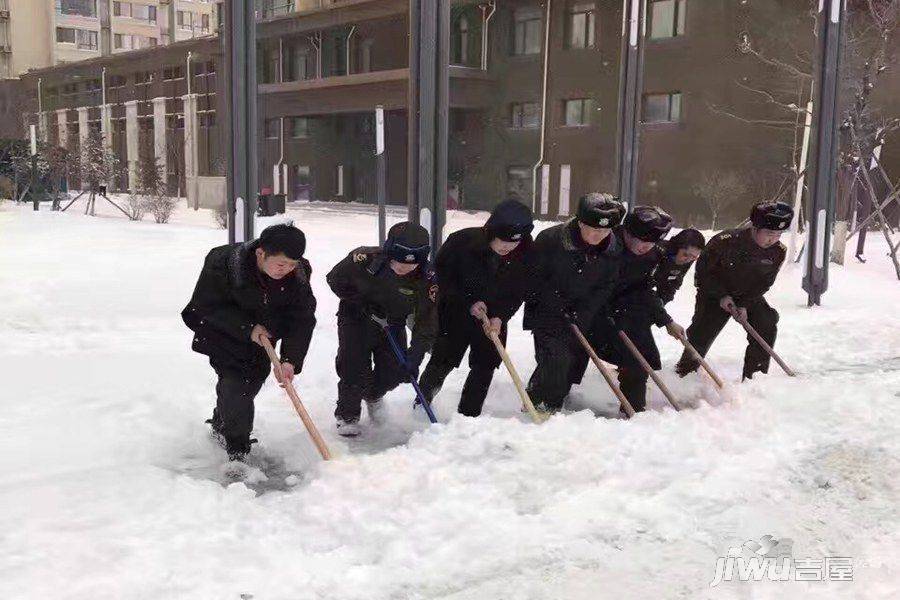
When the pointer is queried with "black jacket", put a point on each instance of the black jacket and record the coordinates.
(366, 285)
(232, 295)
(468, 271)
(635, 294)
(732, 264)
(571, 277)
(669, 276)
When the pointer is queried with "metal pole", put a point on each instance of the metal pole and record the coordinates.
(242, 140)
(823, 161)
(427, 114)
(381, 174)
(34, 196)
(631, 77)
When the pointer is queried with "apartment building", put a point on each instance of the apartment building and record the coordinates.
(533, 108)
(41, 33)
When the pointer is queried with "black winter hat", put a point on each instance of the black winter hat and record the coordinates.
(648, 223)
(772, 215)
(510, 221)
(283, 239)
(687, 238)
(407, 243)
(600, 210)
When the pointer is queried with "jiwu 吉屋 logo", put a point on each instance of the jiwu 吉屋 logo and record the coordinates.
(772, 559)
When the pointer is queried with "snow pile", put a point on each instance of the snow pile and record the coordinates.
(111, 488)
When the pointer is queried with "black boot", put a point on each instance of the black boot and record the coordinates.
(216, 425)
(238, 447)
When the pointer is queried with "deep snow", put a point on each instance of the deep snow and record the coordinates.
(111, 488)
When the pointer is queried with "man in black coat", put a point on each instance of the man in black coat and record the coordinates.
(247, 292)
(390, 283)
(681, 251)
(635, 305)
(737, 267)
(480, 270)
(576, 272)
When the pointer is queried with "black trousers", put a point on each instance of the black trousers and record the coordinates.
(235, 393)
(366, 365)
(561, 363)
(708, 321)
(610, 347)
(460, 332)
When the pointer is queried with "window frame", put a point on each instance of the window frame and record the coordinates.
(589, 10)
(674, 103)
(586, 111)
(522, 19)
(676, 28)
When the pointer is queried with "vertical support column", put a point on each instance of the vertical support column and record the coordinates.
(106, 126)
(159, 136)
(428, 111)
(631, 83)
(43, 128)
(191, 149)
(82, 129)
(381, 173)
(63, 126)
(131, 141)
(82, 124)
(823, 158)
(242, 140)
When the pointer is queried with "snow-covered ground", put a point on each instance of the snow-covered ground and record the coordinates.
(111, 488)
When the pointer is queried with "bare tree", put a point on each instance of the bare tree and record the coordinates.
(779, 46)
(719, 190)
(97, 166)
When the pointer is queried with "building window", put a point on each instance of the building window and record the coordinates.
(171, 73)
(121, 9)
(662, 108)
(207, 119)
(364, 64)
(204, 23)
(144, 13)
(86, 39)
(271, 65)
(272, 128)
(667, 18)
(297, 61)
(582, 25)
(339, 56)
(460, 42)
(81, 8)
(527, 31)
(125, 41)
(299, 127)
(116, 81)
(578, 112)
(65, 35)
(184, 19)
(525, 115)
(518, 183)
(143, 78)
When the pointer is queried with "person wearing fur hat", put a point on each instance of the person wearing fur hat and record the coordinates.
(635, 304)
(393, 283)
(734, 272)
(246, 292)
(480, 270)
(577, 269)
(681, 251)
